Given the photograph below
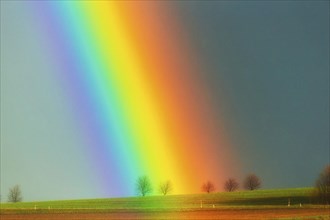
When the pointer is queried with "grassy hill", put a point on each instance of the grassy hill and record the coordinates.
(246, 199)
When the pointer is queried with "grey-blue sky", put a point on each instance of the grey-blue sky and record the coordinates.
(267, 68)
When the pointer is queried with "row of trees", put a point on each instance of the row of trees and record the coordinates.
(144, 187)
(251, 182)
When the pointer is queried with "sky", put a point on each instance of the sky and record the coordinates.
(269, 62)
(263, 72)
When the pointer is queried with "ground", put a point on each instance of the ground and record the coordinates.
(261, 204)
(241, 214)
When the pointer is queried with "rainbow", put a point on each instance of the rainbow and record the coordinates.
(135, 85)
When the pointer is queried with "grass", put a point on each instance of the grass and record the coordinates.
(246, 199)
(248, 205)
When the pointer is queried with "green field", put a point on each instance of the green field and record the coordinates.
(272, 200)
(278, 197)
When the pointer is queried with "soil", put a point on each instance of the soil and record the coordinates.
(241, 214)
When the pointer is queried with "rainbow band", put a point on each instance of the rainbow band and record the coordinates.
(135, 86)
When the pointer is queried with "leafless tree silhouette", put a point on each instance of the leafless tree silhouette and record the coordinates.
(252, 182)
(323, 186)
(143, 185)
(231, 185)
(165, 187)
(208, 187)
(15, 194)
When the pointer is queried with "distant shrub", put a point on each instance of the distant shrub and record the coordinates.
(165, 187)
(143, 185)
(231, 185)
(208, 187)
(15, 194)
(323, 186)
(252, 182)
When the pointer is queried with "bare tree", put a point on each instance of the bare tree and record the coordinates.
(15, 194)
(208, 187)
(165, 187)
(323, 186)
(143, 185)
(231, 185)
(252, 182)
